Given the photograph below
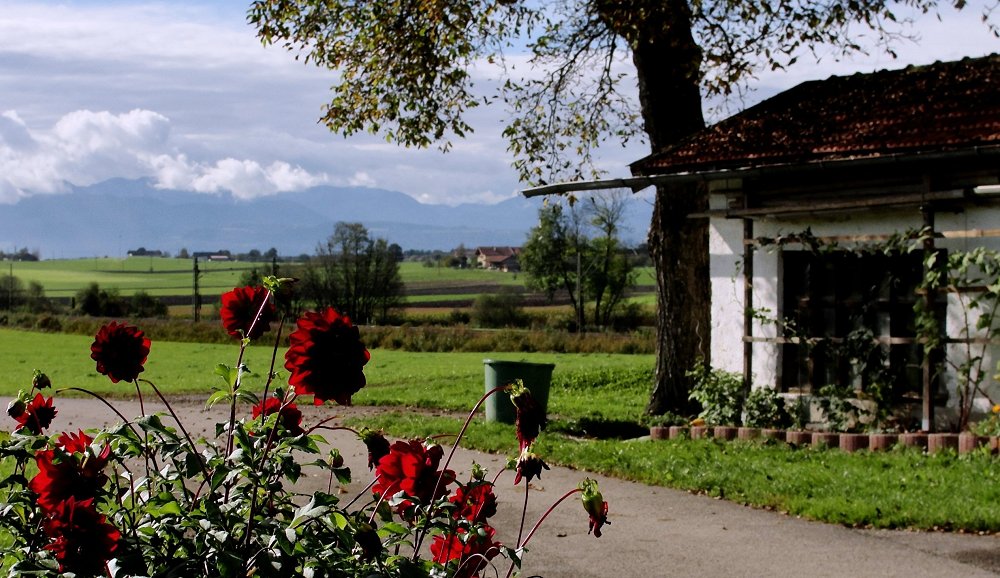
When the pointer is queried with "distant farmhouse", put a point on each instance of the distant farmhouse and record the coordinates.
(213, 255)
(498, 258)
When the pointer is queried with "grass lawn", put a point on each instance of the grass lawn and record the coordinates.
(451, 381)
(592, 397)
(903, 488)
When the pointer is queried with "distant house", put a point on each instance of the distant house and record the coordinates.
(847, 160)
(223, 255)
(498, 258)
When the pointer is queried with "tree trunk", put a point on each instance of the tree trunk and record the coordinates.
(667, 61)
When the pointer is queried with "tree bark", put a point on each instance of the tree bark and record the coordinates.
(667, 61)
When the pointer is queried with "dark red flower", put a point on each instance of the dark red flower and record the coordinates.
(82, 540)
(368, 539)
(241, 306)
(473, 550)
(529, 466)
(120, 351)
(326, 357)
(39, 380)
(594, 504)
(36, 415)
(412, 468)
(377, 446)
(291, 417)
(476, 502)
(75, 472)
(529, 417)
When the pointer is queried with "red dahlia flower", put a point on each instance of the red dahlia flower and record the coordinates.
(412, 468)
(529, 465)
(76, 472)
(377, 446)
(36, 415)
(120, 351)
(82, 540)
(39, 380)
(476, 502)
(326, 357)
(290, 416)
(594, 504)
(473, 550)
(529, 418)
(240, 307)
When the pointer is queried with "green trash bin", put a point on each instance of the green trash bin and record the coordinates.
(536, 377)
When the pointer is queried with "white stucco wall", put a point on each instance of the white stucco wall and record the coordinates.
(726, 265)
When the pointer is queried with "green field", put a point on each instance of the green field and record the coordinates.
(155, 275)
(161, 277)
(441, 380)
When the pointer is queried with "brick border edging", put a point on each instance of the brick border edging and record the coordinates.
(963, 443)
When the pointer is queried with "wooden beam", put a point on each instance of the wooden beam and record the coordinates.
(969, 234)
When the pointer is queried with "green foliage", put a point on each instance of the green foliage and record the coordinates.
(578, 252)
(764, 408)
(502, 309)
(97, 302)
(720, 394)
(144, 498)
(355, 274)
(990, 426)
(143, 305)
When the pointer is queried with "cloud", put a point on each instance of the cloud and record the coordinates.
(85, 147)
(361, 179)
(245, 179)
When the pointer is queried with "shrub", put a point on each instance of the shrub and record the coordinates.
(720, 394)
(502, 309)
(764, 408)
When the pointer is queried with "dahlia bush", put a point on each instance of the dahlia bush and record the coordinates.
(143, 498)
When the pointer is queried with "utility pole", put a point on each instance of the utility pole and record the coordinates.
(196, 298)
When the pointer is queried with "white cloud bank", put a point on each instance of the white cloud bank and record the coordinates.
(85, 147)
(183, 93)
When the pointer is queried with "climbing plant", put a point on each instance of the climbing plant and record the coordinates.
(972, 280)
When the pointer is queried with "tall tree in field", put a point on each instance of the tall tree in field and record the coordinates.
(355, 274)
(403, 69)
(553, 254)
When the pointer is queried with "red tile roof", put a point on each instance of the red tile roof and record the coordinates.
(945, 106)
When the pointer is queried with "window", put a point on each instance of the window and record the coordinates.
(853, 316)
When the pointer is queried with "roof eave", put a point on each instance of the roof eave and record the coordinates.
(637, 183)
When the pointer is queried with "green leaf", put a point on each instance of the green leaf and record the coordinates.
(218, 396)
(228, 374)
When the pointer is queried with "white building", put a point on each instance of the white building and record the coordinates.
(824, 169)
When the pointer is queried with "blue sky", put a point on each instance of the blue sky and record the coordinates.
(183, 93)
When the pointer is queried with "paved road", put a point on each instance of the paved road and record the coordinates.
(657, 532)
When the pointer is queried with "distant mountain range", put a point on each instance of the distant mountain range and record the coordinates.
(114, 216)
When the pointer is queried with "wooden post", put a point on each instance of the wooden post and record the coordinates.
(927, 416)
(747, 305)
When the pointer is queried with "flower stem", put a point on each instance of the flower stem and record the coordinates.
(180, 425)
(461, 433)
(524, 513)
(138, 392)
(451, 454)
(520, 544)
(546, 515)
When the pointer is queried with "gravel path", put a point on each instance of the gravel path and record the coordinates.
(654, 532)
